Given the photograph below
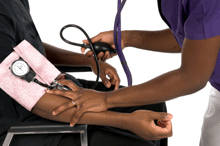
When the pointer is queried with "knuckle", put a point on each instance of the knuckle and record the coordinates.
(69, 94)
(68, 82)
(170, 134)
(58, 92)
(83, 106)
(79, 93)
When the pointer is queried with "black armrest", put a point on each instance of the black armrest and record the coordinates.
(67, 68)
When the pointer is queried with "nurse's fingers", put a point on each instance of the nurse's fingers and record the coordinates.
(70, 84)
(83, 50)
(106, 56)
(96, 38)
(63, 107)
(100, 55)
(77, 115)
(65, 93)
(89, 53)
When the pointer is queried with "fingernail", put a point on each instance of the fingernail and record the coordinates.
(109, 75)
(53, 113)
(71, 125)
(48, 91)
(107, 84)
(169, 116)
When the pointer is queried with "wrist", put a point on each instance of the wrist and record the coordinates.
(122, 121)
(125, 37)
(91, 61)
(108, 100)
(126, 121)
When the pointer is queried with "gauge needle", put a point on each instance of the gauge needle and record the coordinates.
(19, 67)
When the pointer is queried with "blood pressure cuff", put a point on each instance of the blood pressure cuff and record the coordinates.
(27, 94)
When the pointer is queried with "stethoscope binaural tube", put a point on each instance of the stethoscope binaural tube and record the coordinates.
(117, 41)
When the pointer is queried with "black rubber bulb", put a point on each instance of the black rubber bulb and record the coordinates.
(103, 47)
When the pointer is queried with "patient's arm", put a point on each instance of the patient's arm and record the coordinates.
(141, 125)
(48, 103)
(59, 56)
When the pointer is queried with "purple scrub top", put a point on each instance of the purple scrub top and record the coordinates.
(194, 20)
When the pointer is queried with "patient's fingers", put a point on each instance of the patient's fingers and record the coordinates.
(168, 129)
(160, 123)
(164, 128)
(165, 131)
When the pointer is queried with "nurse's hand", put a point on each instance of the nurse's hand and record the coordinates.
(107, 70)
(106, 37)
(84, 99)
(142, 124)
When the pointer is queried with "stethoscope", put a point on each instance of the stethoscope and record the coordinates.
(103, 47)
(95, 47)
(21, 69)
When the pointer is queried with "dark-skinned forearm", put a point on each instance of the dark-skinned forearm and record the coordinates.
(165, 87)
(162, 41)
(49, 102)
(198, 62)
(59, 56)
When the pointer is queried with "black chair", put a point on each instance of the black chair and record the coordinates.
(37, 128)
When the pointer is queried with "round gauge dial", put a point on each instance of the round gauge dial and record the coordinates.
(20, 68)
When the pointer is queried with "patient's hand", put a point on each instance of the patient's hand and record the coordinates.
(106, 69)
(142, 124)
(85, 100)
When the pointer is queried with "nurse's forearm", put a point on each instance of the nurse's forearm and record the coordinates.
(162, 41)
(49, 102)
(198, 62)
(165, 87)
(59, 56)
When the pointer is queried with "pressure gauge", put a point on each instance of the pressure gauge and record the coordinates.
(20, 68)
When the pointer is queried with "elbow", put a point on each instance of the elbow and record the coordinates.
(194, 82)
(200, 84)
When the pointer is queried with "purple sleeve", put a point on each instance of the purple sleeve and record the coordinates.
(203, 19)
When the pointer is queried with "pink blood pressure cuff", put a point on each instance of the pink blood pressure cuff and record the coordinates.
(27, 94)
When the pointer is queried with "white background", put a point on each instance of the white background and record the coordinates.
(96, 16)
